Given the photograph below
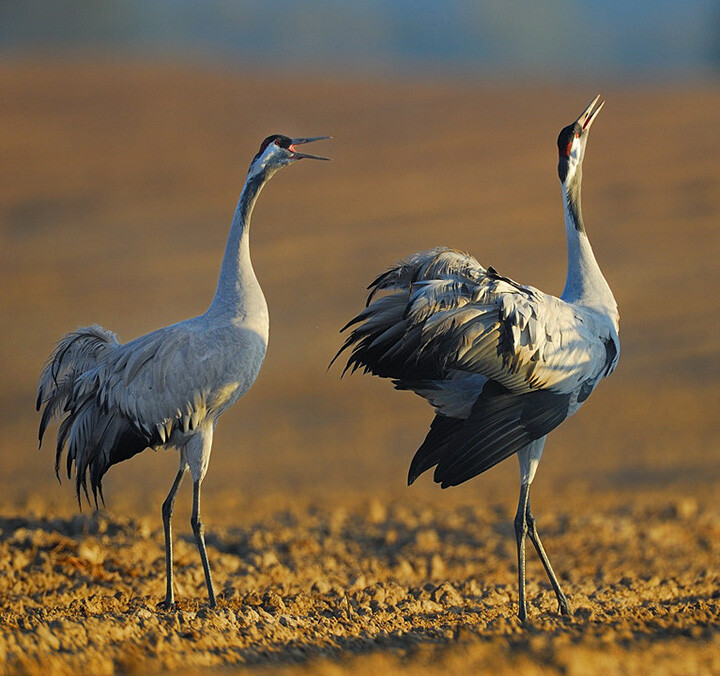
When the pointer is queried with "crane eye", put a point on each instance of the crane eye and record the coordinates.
(277, 142)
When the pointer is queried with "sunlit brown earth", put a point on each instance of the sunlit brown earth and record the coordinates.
(118, 184)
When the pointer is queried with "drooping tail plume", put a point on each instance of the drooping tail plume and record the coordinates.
(76, 353)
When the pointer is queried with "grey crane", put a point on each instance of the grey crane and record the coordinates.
(168, 388)
(503, 364)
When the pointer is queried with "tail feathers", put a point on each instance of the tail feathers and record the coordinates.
(388, 336)
(437, 263)
(76, 353)
(95, 439)
(386, 345)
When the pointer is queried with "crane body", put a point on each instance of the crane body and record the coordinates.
(502, 363)
(166, 389)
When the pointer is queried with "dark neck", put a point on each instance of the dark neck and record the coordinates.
(248, 197)
(573, 190)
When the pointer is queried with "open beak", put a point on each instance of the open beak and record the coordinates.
(589, 114)
(305, 156)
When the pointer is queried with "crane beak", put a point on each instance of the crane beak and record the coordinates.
(305, 156)
(588, 116)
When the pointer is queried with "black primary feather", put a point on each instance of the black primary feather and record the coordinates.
(501, 423)
(442, 430)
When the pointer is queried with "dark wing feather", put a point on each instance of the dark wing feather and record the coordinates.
(500, 424)
(444, 312)
(444, 320)
(442, 431)
(388, 343)
(97, 441)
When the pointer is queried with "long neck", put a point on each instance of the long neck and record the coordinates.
(238, 292)
(585, 284)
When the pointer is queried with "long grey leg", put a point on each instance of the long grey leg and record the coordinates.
(521, 529)
(199, 531)
(564, 606)
(167, 511)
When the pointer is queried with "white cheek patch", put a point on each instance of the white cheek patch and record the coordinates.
(575, 149)
(574, 157)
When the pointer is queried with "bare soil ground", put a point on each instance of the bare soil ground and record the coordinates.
(119, 181)
(376, 588)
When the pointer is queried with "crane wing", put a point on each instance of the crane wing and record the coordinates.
(170, 378)
(502, 363)
(446, 317)
(118, 399)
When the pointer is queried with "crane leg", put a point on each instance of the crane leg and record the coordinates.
(199, 531)
(563, 604)
(167, 511)
(521, 530)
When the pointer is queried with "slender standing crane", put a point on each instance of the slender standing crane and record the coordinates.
(168, 388)
(502, 363)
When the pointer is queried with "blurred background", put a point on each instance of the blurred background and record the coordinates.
(459, 38)
(125, 132)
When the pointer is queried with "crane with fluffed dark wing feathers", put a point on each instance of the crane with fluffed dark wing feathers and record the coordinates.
(167, 389)
(502, 363)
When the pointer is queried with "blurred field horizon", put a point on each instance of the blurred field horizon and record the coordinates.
(120, 175)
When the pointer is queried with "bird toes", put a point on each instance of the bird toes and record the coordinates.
(564, 607)
(167, 604)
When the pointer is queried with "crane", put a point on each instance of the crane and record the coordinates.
(502, 363)
(168, 388)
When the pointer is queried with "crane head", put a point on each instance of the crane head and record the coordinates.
(572, 139)
(277, 151)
